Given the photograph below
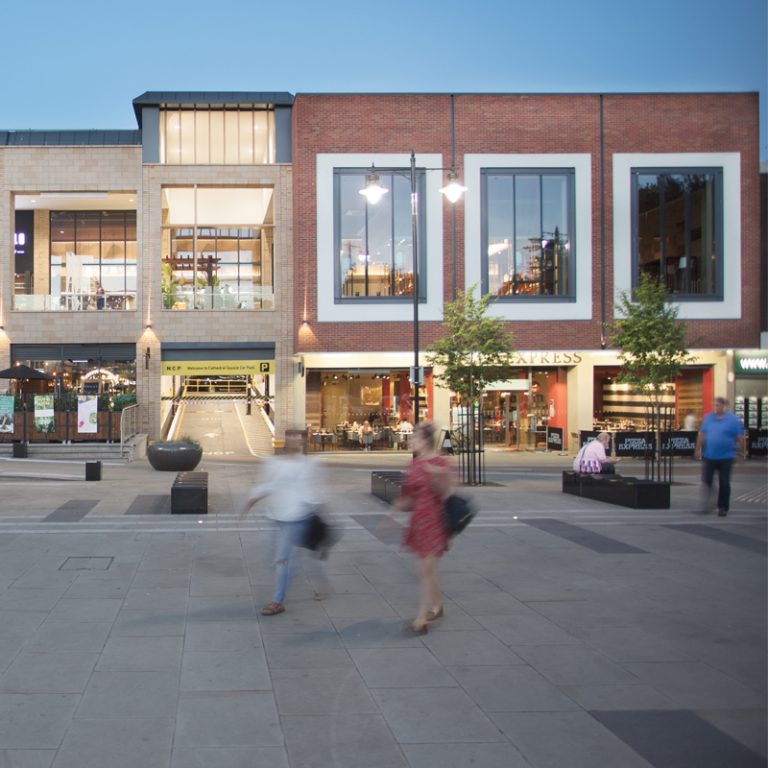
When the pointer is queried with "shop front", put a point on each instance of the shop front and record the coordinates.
(628, 415)
(351, 403)
(81, 397)
(750, 402)
(684, 401)
(527, 411)
(364, 408)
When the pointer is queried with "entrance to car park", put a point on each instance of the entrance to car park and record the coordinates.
(239, 377)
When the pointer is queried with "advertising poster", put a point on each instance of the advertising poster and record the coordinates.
(44, 419)
(87, 415)
(6, 413)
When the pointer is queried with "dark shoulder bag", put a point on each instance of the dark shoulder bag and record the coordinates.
(458, 512)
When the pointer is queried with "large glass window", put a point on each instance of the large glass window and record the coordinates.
(218, 248)
(75, 251)
(93, 258)
(528, 233)
(374, 243)
(198, 136)
(676, 217)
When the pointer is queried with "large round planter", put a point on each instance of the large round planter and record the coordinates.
(174, 457)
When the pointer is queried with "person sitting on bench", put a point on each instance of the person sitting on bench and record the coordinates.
(593, 458)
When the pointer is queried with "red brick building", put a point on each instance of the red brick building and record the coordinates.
(570, 198)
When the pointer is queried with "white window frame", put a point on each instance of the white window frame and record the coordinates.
(729, 306)
(554, 308)
(371, 310)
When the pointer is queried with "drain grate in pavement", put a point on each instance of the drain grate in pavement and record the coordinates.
(594, 541)
(71, 511)
(724, 537)
(677, 739)
(86, 564)
(150, 504)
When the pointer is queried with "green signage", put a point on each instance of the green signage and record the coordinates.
(751, 362)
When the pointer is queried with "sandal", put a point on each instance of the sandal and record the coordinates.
(413, 629)
(272, 609)
(438, 614)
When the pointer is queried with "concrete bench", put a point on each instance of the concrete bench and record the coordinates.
(615, 489)
(386, 484)
(189, 494)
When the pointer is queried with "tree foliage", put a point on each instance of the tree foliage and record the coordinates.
(650, 338)
(475, 349)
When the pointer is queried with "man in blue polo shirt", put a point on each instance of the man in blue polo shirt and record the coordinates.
(719, 442)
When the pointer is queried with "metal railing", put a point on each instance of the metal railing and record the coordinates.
(129, 425)
(186, 298)
(74, 302)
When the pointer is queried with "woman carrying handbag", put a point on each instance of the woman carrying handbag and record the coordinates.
(427, 484)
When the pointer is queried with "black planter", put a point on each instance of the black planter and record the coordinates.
(174, 457)
(616, 489)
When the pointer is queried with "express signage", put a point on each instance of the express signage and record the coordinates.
(554, 439)
(757, 442)
(638, 444)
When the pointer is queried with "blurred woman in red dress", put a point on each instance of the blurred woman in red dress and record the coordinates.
(427, 483)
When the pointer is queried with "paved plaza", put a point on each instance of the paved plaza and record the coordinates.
(576, 634)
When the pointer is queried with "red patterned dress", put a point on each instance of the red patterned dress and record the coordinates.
(425, 534)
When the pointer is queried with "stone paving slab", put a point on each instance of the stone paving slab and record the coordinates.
(575, 634)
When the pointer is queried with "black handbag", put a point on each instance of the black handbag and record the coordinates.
(458, 512)
(319, 536)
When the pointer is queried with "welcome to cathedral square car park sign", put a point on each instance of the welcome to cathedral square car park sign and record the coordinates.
(218, 367)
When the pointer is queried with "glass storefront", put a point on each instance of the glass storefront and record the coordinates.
(750, 402)
(618, 408)
(89, 386)
(518, 412)
(363, 408)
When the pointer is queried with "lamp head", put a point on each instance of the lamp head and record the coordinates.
(454, 189)
(373, 191)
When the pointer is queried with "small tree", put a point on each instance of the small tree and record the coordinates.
(652, 348)
(473, 353)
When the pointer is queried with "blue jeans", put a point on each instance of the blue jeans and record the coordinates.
(723, 469)
(287, 538)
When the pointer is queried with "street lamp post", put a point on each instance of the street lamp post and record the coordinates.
(415, 239)
(373, 192)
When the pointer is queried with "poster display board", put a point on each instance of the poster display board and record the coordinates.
(44, 418)
(6, 413)
(87, 414)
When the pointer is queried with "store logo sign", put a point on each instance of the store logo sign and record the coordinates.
(751, 363)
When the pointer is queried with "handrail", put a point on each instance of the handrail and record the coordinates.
(267, 421)
(129, 421)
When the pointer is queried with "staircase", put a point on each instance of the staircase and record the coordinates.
(109, 452)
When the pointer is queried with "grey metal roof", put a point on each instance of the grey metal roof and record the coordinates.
(217, 98)
(41, 138)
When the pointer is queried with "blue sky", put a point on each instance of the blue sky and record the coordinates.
(79, 64)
